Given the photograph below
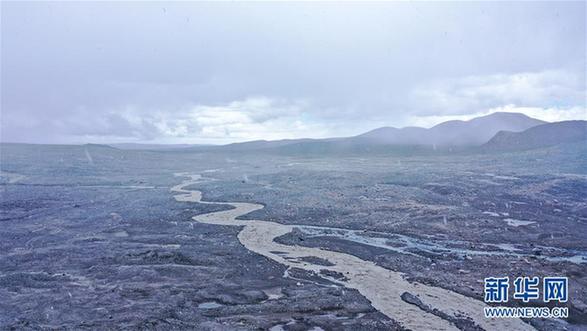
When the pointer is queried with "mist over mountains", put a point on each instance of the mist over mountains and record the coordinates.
(499, 131)
(453, 133)
(544, 135)
(495, 130)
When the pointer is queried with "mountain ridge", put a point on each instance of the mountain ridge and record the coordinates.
(472, 132)
(445, 135)
(449, 136)
(544, 135)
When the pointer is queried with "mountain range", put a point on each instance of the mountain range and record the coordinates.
(453, 133)
(499, 131)
(540, 136)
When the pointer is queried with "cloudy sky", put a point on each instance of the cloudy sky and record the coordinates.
(222, 72)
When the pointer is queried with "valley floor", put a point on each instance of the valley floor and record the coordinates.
(92, 237)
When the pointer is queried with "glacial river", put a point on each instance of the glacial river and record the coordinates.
(382, 287)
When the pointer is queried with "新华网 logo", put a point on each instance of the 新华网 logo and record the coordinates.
(526, 289)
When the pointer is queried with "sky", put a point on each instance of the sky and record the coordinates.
(214, 73)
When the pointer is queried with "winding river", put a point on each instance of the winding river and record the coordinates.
(382, 287)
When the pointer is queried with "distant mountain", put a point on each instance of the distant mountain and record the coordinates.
(474, 132)
(544, 135)
(98, 146)
(138, 146)
(443, 136)
(263, 144)
(394, 136)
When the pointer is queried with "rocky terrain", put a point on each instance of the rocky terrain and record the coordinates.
(92, 237)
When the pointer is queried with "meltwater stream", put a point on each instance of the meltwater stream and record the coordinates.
(382, 287)
(424, 248)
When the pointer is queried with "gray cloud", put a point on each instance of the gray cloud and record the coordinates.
(551, 88)
(221, 72)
